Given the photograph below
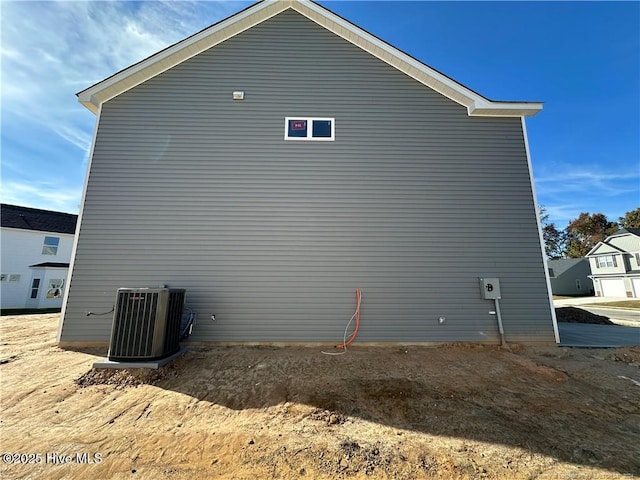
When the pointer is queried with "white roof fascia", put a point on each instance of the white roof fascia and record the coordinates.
(39, 232)
(476, 104)
(177, 53)
(594, 250)
(128, 78)
(621, 234)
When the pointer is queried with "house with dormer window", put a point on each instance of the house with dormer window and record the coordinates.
(615, 264)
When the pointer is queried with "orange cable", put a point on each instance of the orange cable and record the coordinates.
(357, 315)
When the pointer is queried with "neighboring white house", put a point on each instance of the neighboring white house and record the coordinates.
(615, 264)
(36, 249)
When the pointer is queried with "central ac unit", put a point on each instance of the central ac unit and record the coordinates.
(146, 323)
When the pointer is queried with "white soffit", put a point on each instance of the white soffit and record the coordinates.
(128, 78)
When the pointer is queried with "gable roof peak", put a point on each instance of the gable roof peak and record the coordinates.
(122, 81)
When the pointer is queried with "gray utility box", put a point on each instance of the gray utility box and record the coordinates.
(146, 323)
(490, 288)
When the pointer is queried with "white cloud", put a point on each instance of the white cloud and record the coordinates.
(589, 179)
(567, 191)
(44, 195)
(50, 51)
(75, 136)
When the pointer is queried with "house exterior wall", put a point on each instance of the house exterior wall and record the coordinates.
(624, 278)
(46, 297)
(625, 282)
(20, 249)
(620, 265)
(565, 282)
(604, 249)
(412, 203)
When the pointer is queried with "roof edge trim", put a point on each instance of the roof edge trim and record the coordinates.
(125, 79)
(593, 252)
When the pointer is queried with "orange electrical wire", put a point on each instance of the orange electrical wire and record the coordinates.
(357, 317)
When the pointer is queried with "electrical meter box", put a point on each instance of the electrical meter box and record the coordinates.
(490, 288)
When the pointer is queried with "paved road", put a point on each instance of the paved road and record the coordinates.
(588, 335)
(578, 301)
(627, 332)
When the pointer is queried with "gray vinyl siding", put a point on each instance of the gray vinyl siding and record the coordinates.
(567, 271)
(628, 243)
(411, 203)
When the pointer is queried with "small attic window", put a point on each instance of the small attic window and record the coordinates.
(50, 246)
(309, 128)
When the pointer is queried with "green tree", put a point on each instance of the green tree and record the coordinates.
(631, 219)
(584, 232)
(554, 239)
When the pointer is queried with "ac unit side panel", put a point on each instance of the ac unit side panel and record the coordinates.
(175, 308)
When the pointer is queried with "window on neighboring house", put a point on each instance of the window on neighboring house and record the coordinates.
(578, 286)
(35, 286)
(638, 259)
(14, 277)
(551, 273)
(50, 246)
(4, 277)
(606, 261)
(301, 128)
(55, 288)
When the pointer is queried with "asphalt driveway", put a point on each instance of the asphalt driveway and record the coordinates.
(588, 335)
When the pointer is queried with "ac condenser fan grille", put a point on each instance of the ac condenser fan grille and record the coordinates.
(146, 324)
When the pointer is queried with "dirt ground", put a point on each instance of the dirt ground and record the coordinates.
(454, 412)
(578, 315)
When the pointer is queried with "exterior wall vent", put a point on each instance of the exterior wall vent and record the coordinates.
(146, 323)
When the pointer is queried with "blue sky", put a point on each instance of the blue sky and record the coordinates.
(582, 59)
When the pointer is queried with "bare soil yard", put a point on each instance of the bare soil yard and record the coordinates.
(455, 411)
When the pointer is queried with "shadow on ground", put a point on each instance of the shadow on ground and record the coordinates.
(556, 403)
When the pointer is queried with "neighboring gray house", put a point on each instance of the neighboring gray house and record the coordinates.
(615, 264)
(570, 276)
(278, 160)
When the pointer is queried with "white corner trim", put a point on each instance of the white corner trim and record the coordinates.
(74, 248)
(554, 320)
(128, 78)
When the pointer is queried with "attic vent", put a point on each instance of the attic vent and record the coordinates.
(146, 323)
